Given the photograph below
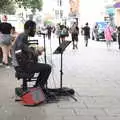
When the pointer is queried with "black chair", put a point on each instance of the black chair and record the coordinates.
(26, 77)
(21, 74)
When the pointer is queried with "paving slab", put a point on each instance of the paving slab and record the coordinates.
(93, 72)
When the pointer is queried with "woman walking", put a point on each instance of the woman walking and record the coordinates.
(108, 35)
(5, 41)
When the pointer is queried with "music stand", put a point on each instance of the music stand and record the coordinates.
(60, 49)
(63, 91)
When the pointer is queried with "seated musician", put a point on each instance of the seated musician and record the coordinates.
(26, 63)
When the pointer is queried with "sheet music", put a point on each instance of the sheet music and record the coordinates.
(62, 47)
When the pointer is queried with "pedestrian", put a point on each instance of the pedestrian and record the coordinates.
(49, 31)
(58, 31)
(118, 31)
(95, 32)
(53, 31)
(14, 34)
(5, 41)
(108, 34)
(82, 31)
(86, 30)
(63, 33)
(74, 30)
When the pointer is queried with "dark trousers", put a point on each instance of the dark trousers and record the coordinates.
(86, 37)
(49, 36)
(119, 41)
(44, 71)
(75, 40)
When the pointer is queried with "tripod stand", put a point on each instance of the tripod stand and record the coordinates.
(62, 91)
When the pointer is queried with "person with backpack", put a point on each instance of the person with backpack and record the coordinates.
(74, 33)
(63, 33)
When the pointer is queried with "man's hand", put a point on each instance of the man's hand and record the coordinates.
(39, 50)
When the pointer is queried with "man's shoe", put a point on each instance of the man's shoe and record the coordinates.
(50, 96)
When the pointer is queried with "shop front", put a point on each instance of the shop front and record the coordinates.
(117, 12)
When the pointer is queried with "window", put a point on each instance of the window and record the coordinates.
(57, 14)
(59, 2)
(61, 13)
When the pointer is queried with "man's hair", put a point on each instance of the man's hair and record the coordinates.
(5, 28)
(87, 23)
(13, 28)
(29, 24)
(118, 28)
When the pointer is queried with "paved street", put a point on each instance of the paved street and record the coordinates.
(94, 73)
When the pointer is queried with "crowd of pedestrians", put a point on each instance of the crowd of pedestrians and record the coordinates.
(8, 36)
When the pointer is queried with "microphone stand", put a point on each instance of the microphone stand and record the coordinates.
(43, 34)
(44, 47)
(62, 91)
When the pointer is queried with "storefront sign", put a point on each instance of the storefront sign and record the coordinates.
(74, 6)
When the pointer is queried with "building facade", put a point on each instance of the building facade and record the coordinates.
(61, 10)
(57, 9)
(116, 4)
(109, 12)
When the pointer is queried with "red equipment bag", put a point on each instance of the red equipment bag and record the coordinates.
(34, 96)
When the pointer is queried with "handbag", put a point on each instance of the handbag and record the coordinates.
(6, 39)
